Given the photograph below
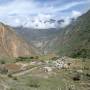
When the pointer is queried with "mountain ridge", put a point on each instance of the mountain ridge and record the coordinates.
(75, 40)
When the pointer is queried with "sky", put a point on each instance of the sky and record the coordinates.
(37, 13)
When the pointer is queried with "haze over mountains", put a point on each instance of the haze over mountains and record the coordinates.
(72, 39)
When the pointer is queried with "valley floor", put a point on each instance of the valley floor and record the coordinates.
(61, 73)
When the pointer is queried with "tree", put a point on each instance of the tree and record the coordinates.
(2, 62)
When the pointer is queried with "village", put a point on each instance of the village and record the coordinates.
(47, 65)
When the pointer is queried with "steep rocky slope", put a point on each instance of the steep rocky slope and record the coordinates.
(12, 45)
(74, 40)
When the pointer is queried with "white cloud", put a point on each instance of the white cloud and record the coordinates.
(17, 21)
(17, 7)
(76, 14)
(39, 22)
(66, 22)
(19, 12)
(31, 7)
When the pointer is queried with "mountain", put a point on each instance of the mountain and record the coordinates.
(12, 45)
(39, 38)
(74, 40)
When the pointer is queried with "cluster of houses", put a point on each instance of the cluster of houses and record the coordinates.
(60, 63)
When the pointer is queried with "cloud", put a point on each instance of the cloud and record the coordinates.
(17, 7)
(76, 14)
(67, 20)
(67, 6)
(32, 7)
(39, 22)
(23, 12)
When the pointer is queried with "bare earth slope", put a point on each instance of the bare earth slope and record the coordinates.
(12, 45)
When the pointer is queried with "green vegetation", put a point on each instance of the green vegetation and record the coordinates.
(7, 60)
(2, 62)
(37, 79)
(10, 75)
(25, 58)
(74, 40)
(80, 53)
(33, 82)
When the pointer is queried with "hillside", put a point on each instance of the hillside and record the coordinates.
(74, 40)
(12, 45)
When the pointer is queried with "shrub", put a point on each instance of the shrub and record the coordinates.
(88, 75)
(3, 70)
(32, 57)
(10, 75)
(86, 68)
(36, 57)
(79, 53)
(25, 58)
(15, 78)
(33, 83)
(76, 77)
(2, 62)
